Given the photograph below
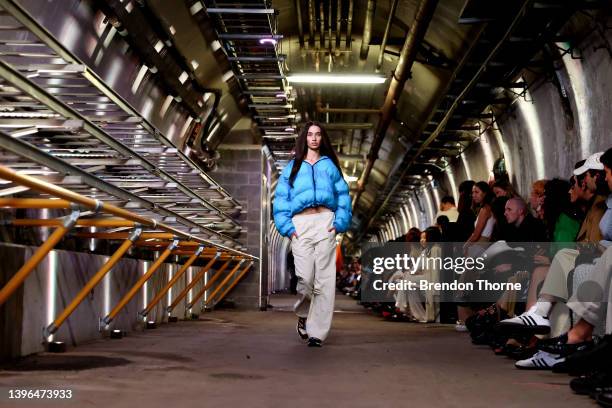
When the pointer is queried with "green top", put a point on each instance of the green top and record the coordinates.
(565, 233)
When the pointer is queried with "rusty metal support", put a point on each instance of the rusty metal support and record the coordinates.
(367, 29)
(298, 9)
(407, 57)
(390, 18)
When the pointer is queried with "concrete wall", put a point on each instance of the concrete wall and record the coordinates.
(240, 173)
(58, 279)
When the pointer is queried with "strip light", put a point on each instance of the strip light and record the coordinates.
(336, 79)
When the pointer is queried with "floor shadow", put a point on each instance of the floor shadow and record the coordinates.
(51, 362)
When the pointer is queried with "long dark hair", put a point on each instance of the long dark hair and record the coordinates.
(301, 148)
(465, 196)
(488, 195)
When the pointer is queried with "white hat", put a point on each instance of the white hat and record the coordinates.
(592, 163)
(499, 247)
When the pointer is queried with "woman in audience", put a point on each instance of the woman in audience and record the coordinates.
(482, 196)
(503, 188)
(467, 217)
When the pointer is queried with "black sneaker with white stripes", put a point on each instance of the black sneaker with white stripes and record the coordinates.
(301, 328)
(314, 342)
(528, 321)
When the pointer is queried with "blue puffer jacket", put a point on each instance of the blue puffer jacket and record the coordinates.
(319, 184)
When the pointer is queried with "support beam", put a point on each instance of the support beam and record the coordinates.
(174, 279)
(132, 292)
(223, 282)
(91, 284)
(235, 282)
(193, 282)
(42, 251)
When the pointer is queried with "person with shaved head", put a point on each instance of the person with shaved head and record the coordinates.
(523, 227)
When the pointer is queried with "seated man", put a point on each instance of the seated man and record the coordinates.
(523, 227)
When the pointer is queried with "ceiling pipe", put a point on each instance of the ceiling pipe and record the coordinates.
(367, 29)
(321, 109)
(311, 21)
(322, 24)
(381, 53)
(349, 24)
(340, 126)
(338, 22)
(456, 103)
(407, 57)
(298, 8)
(329, 25)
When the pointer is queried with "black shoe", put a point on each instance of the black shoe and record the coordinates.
(314, 342)
(301, 328)
(597, 357)
(604, 399)
(586, 384)
(562, 348)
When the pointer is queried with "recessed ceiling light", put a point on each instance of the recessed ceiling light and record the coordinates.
(336, 79)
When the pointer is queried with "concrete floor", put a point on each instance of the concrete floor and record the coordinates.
(254, 359)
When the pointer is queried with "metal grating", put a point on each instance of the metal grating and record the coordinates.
(57, 107)
(247, 31)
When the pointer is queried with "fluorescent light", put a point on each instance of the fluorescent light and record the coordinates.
(267, 41)
(335, 79)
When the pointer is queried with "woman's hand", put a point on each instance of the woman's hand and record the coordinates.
(332, 229)
(294, 235)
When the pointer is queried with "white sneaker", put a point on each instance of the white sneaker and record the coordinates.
(460, 327)
(540, 361)
(530, 321)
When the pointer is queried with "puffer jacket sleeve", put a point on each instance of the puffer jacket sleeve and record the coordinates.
(282, 204)
(343, 212)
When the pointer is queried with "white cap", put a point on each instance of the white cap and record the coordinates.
(592, 163)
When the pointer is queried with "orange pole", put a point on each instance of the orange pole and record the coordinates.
(89, 286)
(111, 222)
(125, 235)
(7, 173)
(23, 272)
(223, 282)
(158, 262)
(235, 282)
(207, 286)
(193, 282)
(172, 281)
(34, 203)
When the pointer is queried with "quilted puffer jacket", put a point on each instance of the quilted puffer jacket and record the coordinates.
(319, 184)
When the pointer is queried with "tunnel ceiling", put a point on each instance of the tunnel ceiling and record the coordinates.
(466, 68)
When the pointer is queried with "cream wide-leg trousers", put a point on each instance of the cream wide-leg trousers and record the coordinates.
(314, 253)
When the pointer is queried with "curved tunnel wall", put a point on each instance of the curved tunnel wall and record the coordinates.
(537, 137)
